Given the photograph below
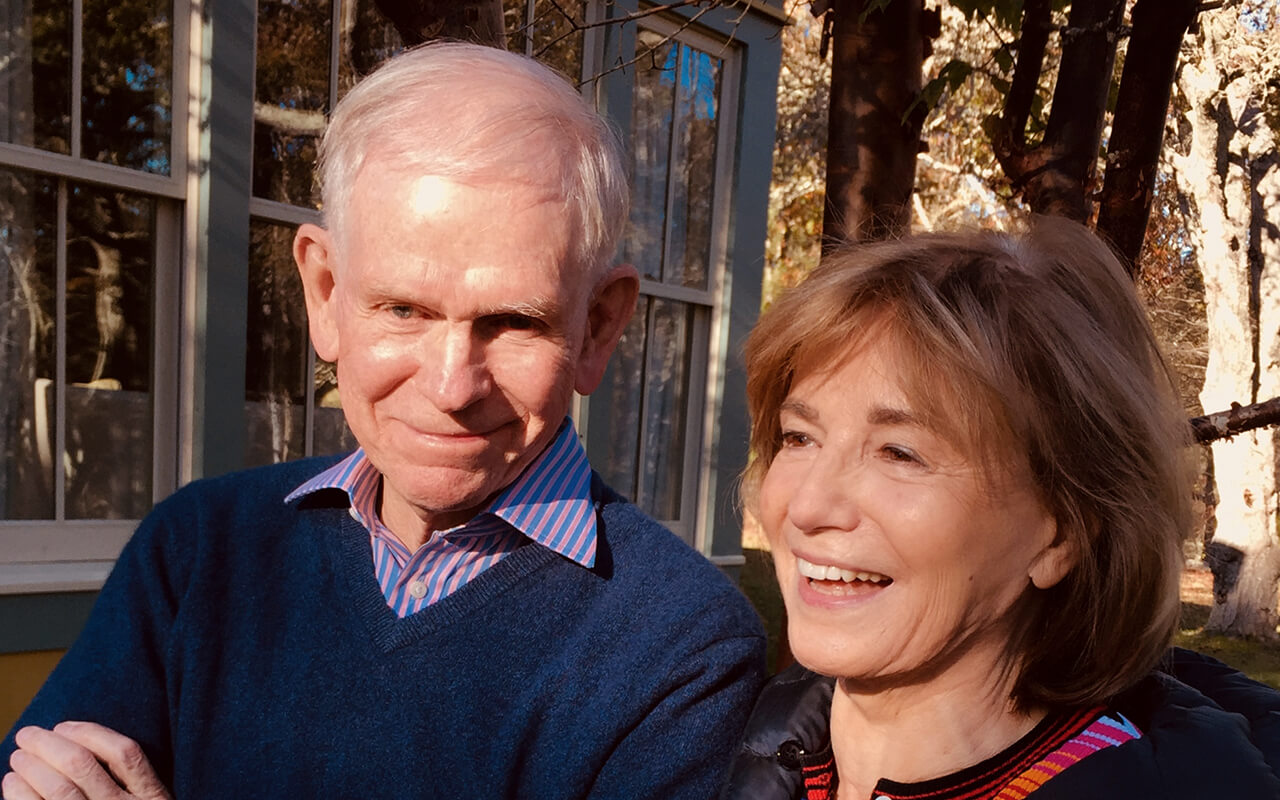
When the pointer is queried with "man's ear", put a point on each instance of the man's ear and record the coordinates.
(612, 302)
(314, 252)
(1057, 558)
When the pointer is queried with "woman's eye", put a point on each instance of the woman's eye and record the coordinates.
(899, 454)
(795, 439)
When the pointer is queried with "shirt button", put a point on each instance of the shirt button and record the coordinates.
(418, 589)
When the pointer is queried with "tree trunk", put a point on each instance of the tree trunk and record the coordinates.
(1054, 176)
(1228, 177)
(874, 132)
(1137, 130)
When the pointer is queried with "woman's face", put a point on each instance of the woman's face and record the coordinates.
(899, 558)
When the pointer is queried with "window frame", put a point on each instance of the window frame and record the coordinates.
(57, 555)
(706, 344)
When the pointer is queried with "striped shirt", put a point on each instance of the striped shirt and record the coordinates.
(549, 504)
(1058, 742)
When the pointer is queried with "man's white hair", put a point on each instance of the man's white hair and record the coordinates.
(467, 112)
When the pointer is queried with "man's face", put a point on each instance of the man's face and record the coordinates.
(458, 326)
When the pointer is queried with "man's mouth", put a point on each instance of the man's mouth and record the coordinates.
(833, 580)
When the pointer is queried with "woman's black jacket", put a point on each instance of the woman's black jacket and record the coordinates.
(1208, 732)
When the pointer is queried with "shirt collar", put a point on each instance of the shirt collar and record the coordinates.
(550, 502)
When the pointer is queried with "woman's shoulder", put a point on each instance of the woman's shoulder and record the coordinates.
(789, 727)
(1207, 730)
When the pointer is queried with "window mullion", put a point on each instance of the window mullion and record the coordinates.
(77, 75)
(335, 53)
(60, 360)
(672, 137)
(650, 314)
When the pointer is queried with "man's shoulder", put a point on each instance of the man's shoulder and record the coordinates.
(249, 492)
(644, 553)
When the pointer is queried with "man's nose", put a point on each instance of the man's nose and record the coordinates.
(455, 374)
(826, 497)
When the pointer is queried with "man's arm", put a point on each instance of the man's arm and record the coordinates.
(114, 674)
(683, 746)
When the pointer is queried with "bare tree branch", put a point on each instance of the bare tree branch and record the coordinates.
(1235, 420)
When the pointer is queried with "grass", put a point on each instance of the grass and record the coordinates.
(1258, 659)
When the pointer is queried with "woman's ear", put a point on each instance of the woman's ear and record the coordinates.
(1056, 559)
(313, 250)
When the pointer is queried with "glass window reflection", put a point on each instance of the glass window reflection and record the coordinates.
(35, 84)
(639, 415)
(291, 96)
(110, 274)
(276, 357)
(126, 90)
(674, 131)
(28, 286)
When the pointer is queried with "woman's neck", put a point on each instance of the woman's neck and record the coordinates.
(915, 732)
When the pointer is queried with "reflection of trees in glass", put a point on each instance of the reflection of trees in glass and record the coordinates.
(674, 129)
(694, 134)
(291, 97)
(127, 102)
(36, 43)
(110, 274)
(666, 398)
(26, 343)
(651, 148)
(105, 406)
(276, 357)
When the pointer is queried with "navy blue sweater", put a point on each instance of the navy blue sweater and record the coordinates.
(246, 645)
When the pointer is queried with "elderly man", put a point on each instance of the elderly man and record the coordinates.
(460, 608)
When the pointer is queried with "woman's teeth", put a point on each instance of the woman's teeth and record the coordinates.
(821, 572)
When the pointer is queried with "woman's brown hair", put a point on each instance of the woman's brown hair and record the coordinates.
(1033, 352)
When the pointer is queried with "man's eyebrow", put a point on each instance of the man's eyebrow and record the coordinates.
(538, 308)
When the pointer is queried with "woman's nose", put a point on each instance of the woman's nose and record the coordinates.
(825, 497)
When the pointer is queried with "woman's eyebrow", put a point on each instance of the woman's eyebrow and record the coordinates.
(799, 408)
(887, 415)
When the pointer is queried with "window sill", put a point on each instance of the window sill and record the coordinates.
(57, 576)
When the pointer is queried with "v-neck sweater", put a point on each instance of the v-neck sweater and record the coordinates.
(246, 644)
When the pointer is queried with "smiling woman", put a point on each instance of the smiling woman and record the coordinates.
(969, 464)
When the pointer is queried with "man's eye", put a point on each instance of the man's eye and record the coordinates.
(518, 322)
(401, 312)
(513, 323)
